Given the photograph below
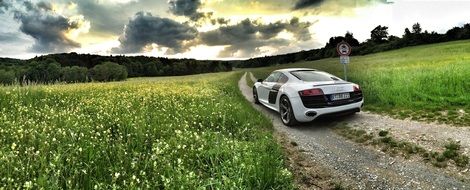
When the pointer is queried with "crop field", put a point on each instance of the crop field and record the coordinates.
(194, 132)
(429, 83)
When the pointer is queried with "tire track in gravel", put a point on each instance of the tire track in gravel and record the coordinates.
(354, 165)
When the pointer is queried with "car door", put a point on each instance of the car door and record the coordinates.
(266, 86)
(274, 91)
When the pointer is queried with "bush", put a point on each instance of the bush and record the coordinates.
(461, 161)
(383, 133)
(74, 74)
(108, 71)
(7, 77)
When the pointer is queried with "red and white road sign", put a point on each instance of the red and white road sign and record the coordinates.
(344, 49)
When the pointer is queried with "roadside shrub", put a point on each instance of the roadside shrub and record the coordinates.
(108, 71)
(461, 161)
(450, 153)
(383, 133)
(74, 74)
(7, 77)
(453, 145)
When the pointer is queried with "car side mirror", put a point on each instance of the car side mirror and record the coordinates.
(260, 80)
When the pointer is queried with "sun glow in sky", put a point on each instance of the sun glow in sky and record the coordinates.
(207, 29)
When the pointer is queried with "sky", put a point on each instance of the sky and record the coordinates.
(208, 29)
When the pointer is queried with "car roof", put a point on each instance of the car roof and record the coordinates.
(295, 69)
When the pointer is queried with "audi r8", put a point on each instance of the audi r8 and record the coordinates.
(302, 95)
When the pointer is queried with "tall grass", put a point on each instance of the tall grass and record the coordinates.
(425, 82)
(173, 133)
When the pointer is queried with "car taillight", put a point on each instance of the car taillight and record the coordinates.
(357, 88)
(311, 92)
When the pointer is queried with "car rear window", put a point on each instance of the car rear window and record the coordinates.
(313, 76)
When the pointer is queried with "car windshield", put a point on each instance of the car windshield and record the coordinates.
(313, 76)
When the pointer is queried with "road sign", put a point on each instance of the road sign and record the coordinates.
(344, 59)
(344, 49)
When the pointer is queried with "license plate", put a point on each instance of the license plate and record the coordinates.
(341, 96)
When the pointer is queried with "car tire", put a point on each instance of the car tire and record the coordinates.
(286, 112)
(255, 95)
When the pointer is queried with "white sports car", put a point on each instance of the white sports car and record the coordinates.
(302, 95)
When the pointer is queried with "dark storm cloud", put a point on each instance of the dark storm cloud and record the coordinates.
(246, 37)
(145, 29)
(46, 27)
(184, 7)
(189, 8)
(300, 4)
(338, 4)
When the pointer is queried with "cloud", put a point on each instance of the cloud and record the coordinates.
(335, 4)
(301, 4)
(190, 9)
(46, 27)
(108, 18)
(9, 37)
(184, 7)
(145, 29)
(247, 37)
(4, 5)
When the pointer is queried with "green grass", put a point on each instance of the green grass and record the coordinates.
(429, 83)
(194, 132)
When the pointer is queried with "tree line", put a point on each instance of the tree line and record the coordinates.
(50, 71)
(73, 67)
(379, 41)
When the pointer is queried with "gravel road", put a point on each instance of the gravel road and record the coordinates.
(355, 165)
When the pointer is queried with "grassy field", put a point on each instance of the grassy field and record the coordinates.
(429, 83)
(194, 132)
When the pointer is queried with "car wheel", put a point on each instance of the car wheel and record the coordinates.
(286, 111)
(255, 95)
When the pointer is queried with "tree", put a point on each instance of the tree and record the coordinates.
(7, 77)
(379, 34)
(150, 69)
(417, 28)
(74, 74)
(53, 72)
(407, 32)
(349, 37)
(108, 71)
(45, 71)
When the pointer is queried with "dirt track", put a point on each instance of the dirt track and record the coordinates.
(356, 166)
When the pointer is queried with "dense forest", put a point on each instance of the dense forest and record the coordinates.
(379, 41)
(73, 67)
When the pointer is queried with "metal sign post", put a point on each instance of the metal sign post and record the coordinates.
(344, 50)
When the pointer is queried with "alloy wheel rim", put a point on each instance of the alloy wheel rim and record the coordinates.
(285, 111)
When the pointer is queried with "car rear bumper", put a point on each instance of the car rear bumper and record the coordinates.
(303, 114)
